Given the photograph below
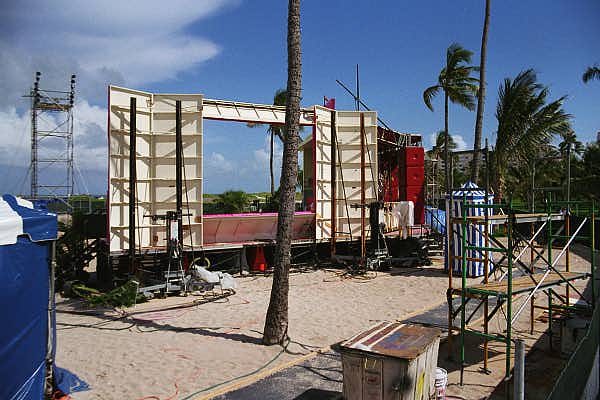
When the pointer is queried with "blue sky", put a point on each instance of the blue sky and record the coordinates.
(236, 50)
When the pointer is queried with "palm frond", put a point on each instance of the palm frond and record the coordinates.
(456, 54)
(526, 121)
(591, 73)
(429, 94)
(462, 95)
(280, 98)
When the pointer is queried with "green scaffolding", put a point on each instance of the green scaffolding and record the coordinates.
(501, 283)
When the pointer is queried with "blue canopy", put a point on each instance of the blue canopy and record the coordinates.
(471, 190)
(25, 287)
(18, 217)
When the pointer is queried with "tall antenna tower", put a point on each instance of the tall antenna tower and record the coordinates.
(51, 141)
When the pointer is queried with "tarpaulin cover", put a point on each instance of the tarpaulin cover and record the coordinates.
(67, 382)
(24, 334)
(25, 235)
(472, 194)
(436, 218)
(18, 217)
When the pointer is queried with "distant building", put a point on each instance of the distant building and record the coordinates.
(462, 160)
(598, 137)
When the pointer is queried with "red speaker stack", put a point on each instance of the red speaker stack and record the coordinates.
(412, 179)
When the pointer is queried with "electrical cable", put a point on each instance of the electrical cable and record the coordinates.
(271, 361)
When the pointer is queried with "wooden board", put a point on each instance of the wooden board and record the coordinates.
(527, 283)
(393, 339)
(499, 219)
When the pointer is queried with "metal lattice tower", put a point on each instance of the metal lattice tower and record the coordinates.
(51, 140)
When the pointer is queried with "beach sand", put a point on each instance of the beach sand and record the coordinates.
(172, 348)
(183, 350)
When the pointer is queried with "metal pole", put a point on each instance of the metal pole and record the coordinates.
(451, 170)
(362, 188)
(509, 299)
(533, 187)
(549, 237)
(333, 184)
(362, 103)
(486, 256)
(51, 338)
(132, 180)
(450, 263)
(567, 253)
(519, 382)
(178, 168)
(567, 218)
(593, 251)
(463, 253)
(357, 90)
(568, 175)
(34, 136)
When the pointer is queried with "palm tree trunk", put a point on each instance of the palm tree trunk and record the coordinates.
(271, 168)
(480, 97)
(446, 140)
(276, 323)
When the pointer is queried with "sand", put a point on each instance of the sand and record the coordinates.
(160, 353)
(153, 353)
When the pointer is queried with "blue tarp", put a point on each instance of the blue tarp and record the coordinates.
(436, 218)
(472, 194)
(26, 236)
(24, 297)
(24, 288)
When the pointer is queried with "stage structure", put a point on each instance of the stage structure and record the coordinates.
(511, 283)
(156, 167)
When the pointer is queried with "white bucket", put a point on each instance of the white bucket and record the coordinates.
(441, 379)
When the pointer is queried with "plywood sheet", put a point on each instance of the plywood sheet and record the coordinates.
(155, 164)
(348, 170)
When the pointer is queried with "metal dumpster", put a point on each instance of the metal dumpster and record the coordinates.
(390, 361)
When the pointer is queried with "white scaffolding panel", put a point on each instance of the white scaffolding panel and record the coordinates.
(155, 165)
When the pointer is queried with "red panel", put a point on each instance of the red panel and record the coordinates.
(412, 176)
(417, 196)
(412, 156)
(391, 187)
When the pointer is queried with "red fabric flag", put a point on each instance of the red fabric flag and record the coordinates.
(329, 103)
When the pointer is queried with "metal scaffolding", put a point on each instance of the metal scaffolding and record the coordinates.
(51, 140)
(510, 277)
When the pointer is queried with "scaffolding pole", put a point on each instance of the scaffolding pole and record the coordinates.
(504, 289)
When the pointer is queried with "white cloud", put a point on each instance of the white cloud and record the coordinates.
(217, 164)
(460, 142)
(14, 137)
(262, 155)
(102, 42)
(142, 41)
(89, 130)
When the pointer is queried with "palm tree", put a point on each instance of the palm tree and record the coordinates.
(437, 151)
(480, 97)
(569, 139)
(526, 124)
(458, 86)
(591, 73)
(275, 130)
(279, 99)
(276, 322)
(232, 201)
